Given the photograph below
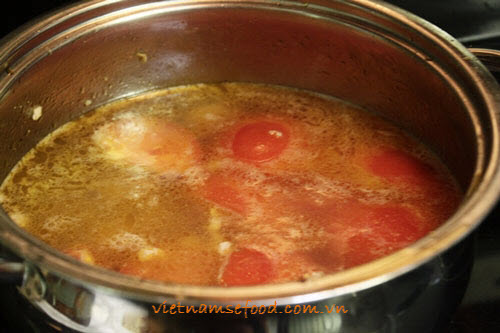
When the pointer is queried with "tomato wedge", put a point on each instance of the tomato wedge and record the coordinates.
(368, 231)
(361, 249)
(226, 193)
(381, 230)
(396, 165)
(397, 224)
(260, 141)
(247, 267)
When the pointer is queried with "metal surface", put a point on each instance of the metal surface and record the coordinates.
(488, 57)
(480, 308)
(368, 53)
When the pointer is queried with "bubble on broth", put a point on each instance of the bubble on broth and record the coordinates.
(93, 184)
(126, 241)
(194, 176)
(58, 223)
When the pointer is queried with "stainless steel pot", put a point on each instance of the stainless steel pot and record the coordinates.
(369, 53)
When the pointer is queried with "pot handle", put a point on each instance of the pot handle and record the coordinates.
(489, 57)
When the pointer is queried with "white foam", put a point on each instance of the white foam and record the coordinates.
(149, 253)
(224, 247)
(326, 187)
(127, 241)
(194, 176)
(116, 137)
(133, 127)
(20, 218)
(58, 223)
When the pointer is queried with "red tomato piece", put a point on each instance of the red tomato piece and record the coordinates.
(247, 267)
(396, 224)
(225, 192)
(369, 230)
(361, 249)
(383, 229)
(396, 165)
(260, 141)
(391, 224)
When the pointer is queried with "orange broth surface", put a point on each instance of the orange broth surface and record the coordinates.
(229, 184)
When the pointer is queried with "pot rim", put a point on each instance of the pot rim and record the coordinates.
(475, 207)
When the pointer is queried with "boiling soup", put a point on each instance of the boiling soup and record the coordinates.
(229, 184)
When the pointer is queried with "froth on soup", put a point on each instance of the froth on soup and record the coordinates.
(229, 184)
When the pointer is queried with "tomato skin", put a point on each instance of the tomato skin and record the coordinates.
(396, 165)
(368, 231)
(391, 222)
(226, 193)
(381, 230)
(361, 250)
(396, 224)
(260, 141)
(247, 267)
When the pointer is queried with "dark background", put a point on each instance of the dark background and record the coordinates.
(476, 23)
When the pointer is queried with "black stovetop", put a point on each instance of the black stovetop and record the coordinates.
(476, 23)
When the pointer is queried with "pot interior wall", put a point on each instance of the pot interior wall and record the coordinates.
(78, 70)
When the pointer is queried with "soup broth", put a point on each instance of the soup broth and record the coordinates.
(229, 184)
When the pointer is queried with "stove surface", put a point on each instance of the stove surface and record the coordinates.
(474, 23)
